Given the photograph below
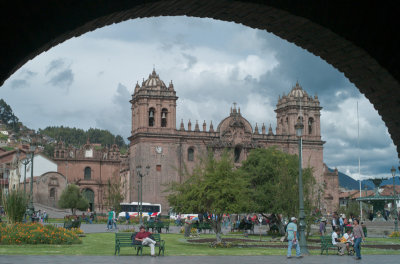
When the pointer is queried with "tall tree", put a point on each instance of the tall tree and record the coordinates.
(72, 198)
(273, 179)
(114, 195)
(215, 187)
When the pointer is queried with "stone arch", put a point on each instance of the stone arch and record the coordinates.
(89, 195)
(359, 40)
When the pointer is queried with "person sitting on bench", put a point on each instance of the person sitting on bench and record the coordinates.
(336, 241)
(144, 237)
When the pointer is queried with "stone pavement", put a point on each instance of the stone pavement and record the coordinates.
(368, 259)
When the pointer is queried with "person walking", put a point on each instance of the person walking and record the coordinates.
(322, 226)
(110, 219)
(291, 230)
(114, 219)
(358, 234)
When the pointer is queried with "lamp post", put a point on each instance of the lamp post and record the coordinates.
(396, 227)
(31, 208)
(25, 162)
(302, 223)
(140, 191)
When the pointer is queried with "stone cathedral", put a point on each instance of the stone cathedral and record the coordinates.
(156, 141)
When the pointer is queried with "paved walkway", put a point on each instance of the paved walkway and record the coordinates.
(369, 259)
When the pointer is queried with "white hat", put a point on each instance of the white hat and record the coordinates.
(293, 218)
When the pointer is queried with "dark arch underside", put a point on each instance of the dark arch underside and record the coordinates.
(360, 39)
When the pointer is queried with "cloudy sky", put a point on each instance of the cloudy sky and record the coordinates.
(87, 82)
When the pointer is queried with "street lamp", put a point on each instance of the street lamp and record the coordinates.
(25, 162)
(302, 223)
(396, 227)
(31, 208)
(140, 191)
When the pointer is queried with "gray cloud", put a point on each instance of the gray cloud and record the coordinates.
(116, 117)
(62, 79)
(55, 65)
(191, 60)
(18, 83)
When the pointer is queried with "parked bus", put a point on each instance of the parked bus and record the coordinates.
(148, 209)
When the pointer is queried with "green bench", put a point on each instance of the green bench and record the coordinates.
(326, 244)
(160, 225)
(72, 224)
(205, 226)
(128, 240)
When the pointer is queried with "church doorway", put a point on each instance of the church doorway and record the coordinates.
(89, 195)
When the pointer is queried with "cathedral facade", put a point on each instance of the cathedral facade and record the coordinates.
(157, 143)
(90, 167)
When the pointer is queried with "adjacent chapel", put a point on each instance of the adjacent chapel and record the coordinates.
(157, 143)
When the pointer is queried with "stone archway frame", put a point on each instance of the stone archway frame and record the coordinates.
(359, 40)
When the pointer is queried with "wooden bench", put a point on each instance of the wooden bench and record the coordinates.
(326, 244)
(128, 240)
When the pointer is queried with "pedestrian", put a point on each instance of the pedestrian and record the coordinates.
(127, 217)
(110, 219)
(334, 222)
(322, 226)
(358, 234)
(291, 230)
(188, 225)
(114, 219)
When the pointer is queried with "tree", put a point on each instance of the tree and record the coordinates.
(114, 195)
(273, 179)
(72, 198)
(7, 116)
(215, 187)
(14, 204)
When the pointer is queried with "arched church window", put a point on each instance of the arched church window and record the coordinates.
(88, 173)
(57, 154)
(238, 150)
(310, 125)
(52, 193)
(190, 154)
(164, 113)
(151, 117)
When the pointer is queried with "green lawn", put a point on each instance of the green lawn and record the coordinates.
(103, 244)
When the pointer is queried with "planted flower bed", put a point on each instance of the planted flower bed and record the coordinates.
(35, 233)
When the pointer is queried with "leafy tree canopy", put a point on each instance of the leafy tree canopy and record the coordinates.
(7, 116)
(78, 137)
(273, 179)
(72, 198)
(215, 186)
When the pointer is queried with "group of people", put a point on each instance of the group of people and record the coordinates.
(353, 236)
(40, 216)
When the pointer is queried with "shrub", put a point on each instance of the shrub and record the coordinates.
(395, 234)
(35, 233)
(15, 203)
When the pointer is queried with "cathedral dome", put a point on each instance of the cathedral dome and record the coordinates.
(297, 91)
(153, 81)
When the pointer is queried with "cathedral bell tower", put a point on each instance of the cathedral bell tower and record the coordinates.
(153, 106)
(298, 104)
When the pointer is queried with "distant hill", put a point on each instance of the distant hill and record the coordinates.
(349, 183)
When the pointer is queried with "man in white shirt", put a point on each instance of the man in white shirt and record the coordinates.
(336, 242)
